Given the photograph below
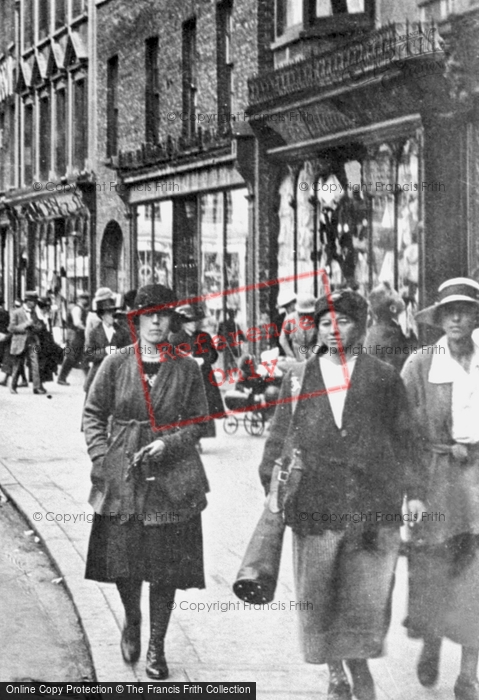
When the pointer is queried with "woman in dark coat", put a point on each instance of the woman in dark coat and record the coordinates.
(141, 423)
(351, 434)
(204, 353)
(443, 387)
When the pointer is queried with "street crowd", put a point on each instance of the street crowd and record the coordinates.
(350, 432)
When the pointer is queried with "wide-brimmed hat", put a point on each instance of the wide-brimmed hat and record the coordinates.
(31, 295)
(343, 301)
(285, 297)
(104, 299)
(455, 289)
(155, 296)
(84, 295)
(305, 304)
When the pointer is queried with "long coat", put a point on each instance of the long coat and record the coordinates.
(362, 467)
(118, 392)
(446, 486)
(22, 332)
(95, 348)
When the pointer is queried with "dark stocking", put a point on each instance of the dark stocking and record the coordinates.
(161, 598)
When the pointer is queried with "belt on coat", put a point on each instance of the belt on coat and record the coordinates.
(438, 449)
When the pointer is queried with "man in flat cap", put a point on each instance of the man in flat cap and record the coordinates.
(24, 327)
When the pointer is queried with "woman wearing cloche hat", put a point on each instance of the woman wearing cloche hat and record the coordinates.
(141, 423)
(442, 382)
(348, 434)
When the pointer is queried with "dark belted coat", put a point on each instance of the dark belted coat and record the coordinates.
(177, 394)
(364, 466)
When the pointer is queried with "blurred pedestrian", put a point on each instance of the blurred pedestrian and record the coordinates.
(204, 353)
(286, 306)
(25, 344)
(385, 336)
(4, 338)
(350, 449)
(149, 487)
(50, 354)
(298, 332)
(76, 321)
(234, 337)
(443, 388)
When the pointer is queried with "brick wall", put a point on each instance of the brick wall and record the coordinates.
(122, 29)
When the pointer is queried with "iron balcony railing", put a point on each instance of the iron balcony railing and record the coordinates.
(173, 150)
(367, 56)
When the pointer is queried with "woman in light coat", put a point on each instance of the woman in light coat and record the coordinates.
(442, 382)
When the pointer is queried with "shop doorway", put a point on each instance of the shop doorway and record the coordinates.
(111, 257)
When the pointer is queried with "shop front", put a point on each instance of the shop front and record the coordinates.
(53, 244)
(361, 157)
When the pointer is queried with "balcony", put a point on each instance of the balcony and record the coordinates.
(174, 151)
(364, 58)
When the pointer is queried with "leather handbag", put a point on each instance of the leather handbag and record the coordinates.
(258, 575)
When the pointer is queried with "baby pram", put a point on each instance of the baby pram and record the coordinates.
(249, 401)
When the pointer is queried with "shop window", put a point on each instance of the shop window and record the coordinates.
(189, 78)
(112, 107)
(152, 90)
(80, 123)
(28, 145)
(61, 132)
(223, 234)
(225, 60)
(45, 139)
(28, 23)
(289, 14)
(43, 18)
(155, 243)
(60, 13)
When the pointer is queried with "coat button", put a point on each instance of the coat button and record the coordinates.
(344, 433)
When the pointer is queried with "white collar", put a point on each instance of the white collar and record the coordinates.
(444, 368)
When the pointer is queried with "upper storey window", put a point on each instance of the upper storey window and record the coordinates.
(289, 14)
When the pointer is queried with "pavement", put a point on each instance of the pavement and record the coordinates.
(44, 470)
(36, 614)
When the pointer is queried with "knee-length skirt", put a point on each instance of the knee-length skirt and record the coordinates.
(444, 590)
(345, 591)
(171, 553)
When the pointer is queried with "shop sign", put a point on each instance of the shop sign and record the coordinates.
(6, 78)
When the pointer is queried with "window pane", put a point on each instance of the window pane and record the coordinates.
(112, 107)
(45, 139)
(27, 23)
(152, 104)
(144, 245)
(163, 243)
(60, 133)
(78, 7)
(323, 8)
(60, 13)
(212, 243)
(355, 6)
(236, 237)
(43, 18)
(28, 145)
(11, 145)
(80, 121)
